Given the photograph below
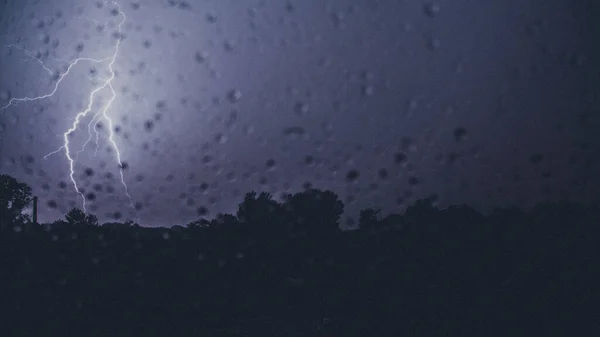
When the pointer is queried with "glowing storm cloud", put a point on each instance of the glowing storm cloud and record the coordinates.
(101, 114)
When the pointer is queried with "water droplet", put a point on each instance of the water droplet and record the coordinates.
(460, 134)
(161, 104)
(271, 164)
(367, 75)
(301, 108)
(211, 17)
(89, 172)
(229, 45)
(408, 144)
(184, 5)
(433, 43)
(431, 9)
(294, 130)
(352, 175)
(338, 18)
(400, 158)
(149, 125)
(413, 181)
(234, 95)
(201, 211)
(5, 95)
(220, 138)
(44, 38)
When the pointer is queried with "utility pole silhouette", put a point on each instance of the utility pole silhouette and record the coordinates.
(35, 203)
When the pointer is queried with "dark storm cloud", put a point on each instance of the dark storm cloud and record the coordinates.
(382, 101)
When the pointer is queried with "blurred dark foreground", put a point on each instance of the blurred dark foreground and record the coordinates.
(429, 272)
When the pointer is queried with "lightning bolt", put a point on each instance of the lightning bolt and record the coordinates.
(102, 114)
(30, 54)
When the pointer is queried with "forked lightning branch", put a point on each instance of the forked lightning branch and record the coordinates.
(101, 114)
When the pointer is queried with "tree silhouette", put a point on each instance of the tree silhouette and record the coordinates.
(316, 211)
(392, 220)
(223, 219)
(77, 217)
(264, 216)
(257, 210)
(444, 270)
(369, 218)
(14, 197)
(421, 207)
(116, 225)
(200, 223)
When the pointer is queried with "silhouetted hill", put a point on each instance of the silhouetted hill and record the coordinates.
(286, 269)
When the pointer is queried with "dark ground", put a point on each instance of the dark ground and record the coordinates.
(286, 270)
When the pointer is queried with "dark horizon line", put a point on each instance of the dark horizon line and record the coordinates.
(430, 199)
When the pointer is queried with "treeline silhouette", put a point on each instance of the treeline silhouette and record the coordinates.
(286, 269)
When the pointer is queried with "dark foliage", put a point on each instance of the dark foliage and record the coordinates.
(77, 217)
(14, 197)
(286, 269)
